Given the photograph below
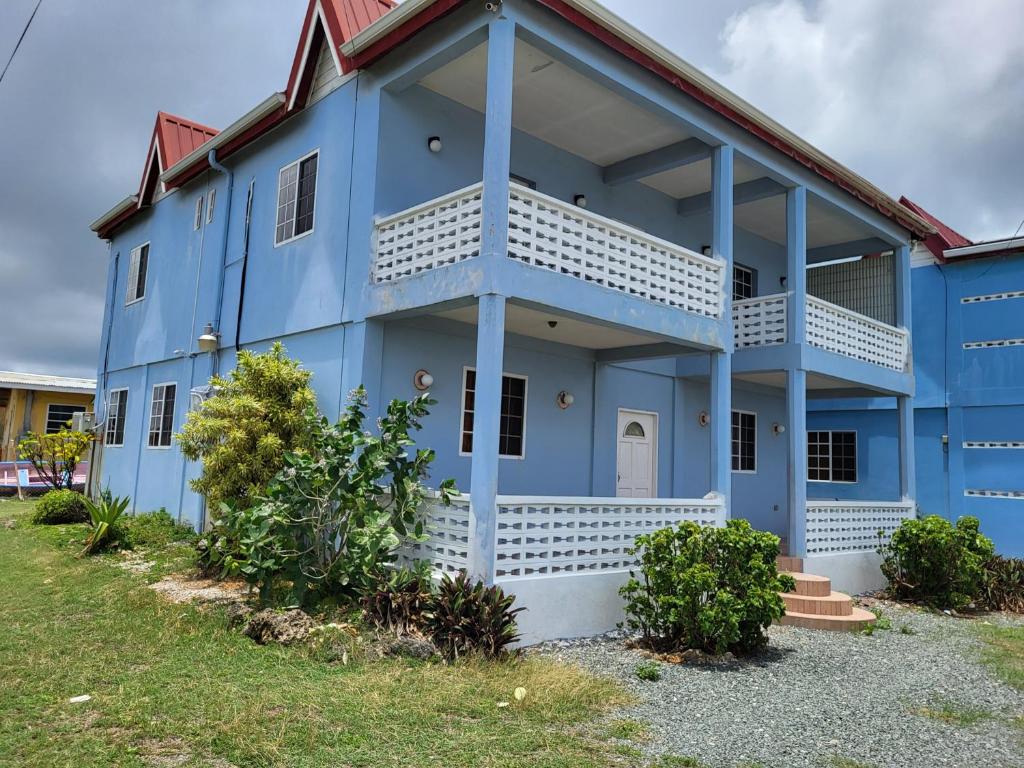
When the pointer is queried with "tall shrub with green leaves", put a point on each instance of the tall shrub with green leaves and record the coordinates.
(55, 455)
(709, 589)
(242, 433)
(934, 562)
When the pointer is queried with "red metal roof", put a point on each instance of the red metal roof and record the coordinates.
(356, 15)
(946, 236)
(179, 137)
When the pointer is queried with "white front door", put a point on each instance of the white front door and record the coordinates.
(637, 455)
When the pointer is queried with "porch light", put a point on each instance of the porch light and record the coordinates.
(434, 144)
(703, 418)
(565, 399)
(580, 201)
(778, 428)
(422, 380)
(706, 250)
(209, 339)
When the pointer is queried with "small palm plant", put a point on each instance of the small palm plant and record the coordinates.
(102, 518)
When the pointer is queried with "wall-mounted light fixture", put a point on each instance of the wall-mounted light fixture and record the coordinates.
(782, 281)
(422, 380)
(565, 399)
(434, 144)
(706, 250)
(703, 418)
(580, 201)
(778, 429)
(209, 339)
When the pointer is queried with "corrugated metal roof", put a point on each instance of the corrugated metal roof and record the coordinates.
(953, 238)
(356, 15)
(40, 381)
(179, 137)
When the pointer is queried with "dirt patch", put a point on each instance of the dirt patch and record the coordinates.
(181, 589)
(286, 628)
(135, 562)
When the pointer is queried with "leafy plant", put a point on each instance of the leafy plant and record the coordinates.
(1004, 584)
(153, 529)
(55, 456)
(466, 617)
(711, 589)
(60, 507)
(934, 562)
(251, 543)
(398, 598)
(648, 671)
(102, 518)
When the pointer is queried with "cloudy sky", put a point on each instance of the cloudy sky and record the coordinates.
(923, 97)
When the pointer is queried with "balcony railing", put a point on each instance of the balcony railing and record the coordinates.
(549, 234)
(849, 527)
(761, 322)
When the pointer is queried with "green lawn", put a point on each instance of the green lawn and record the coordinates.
(1005, 653)
(172, 686)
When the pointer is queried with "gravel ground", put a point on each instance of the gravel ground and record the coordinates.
(816, 698)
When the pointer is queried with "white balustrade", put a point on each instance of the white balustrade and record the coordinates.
(847, 527)
(446, 547)
(845, 332)
(552, 535)
(759, 322)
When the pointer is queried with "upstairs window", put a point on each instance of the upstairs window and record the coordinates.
(117, 409)
(512, 426)
(744, 441)
(161, 416)
(832, 457)
(744, 282)
(211, 199)
(296, 199)
(197, 220)
(138, 264)
(59, 416)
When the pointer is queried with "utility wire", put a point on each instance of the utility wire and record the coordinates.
(1018, 229)
(17, 45)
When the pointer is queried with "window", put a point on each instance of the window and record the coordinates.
(161, 416)
(117, 409)
(512, 431)
(58, 416)
(211, 200)
(744, 282)
(296, 199)
(634, 429)
(744, 441)
(138, 265)
(197, 220)
(832, 457)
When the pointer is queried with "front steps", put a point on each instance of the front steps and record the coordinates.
(813, 605)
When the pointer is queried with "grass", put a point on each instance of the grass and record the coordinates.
(171, 682)
(954, 714)
(837, 761)
(1004, 653)
(627, 730)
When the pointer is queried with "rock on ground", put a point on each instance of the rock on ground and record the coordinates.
(269, 626)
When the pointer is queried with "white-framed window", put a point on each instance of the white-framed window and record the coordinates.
(296, 198)
(832, 456)
(211, 201)
(161, 415)
(117, 410)
(138, 266)
(744, 441)
(197, 220)
(58, 416)
(744, 282)
(512, 430)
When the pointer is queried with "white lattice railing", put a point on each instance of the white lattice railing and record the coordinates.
(759, 322)
(436, 234)
(548, 233)
(447, 528)
(836, 329)
(843, 527)
(552, 535)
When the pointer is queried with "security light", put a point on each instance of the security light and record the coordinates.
(434, 144)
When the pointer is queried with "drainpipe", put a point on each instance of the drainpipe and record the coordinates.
(211, 158)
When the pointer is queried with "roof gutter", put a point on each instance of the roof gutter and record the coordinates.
(993, 248)
(125, 205)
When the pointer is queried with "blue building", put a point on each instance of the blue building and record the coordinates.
(968, 354)
(594, 256)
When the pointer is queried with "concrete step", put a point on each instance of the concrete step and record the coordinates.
(836, 604)
(790, 564)
(809, 585)
(856, 621)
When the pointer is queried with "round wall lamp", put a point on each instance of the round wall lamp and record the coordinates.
(778, 428)
(703, 418)
(422, 380)
(565, 399)
(580, 201)
(706, 250)
(434, 144)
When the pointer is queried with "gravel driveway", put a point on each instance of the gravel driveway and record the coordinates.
(819, 698)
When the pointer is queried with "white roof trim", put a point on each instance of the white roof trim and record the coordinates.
(318, 13)
(129, 202)
(980, 248)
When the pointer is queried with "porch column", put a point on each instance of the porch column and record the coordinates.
(908, 474)
(490, 348)
(721, 362)
(796, 485)
(361, 363)
(501, 45)
(796, 265)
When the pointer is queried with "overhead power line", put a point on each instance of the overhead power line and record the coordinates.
(17, 45)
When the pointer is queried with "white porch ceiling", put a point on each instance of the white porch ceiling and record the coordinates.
(777, 379)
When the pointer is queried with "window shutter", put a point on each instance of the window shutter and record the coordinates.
(133, 275)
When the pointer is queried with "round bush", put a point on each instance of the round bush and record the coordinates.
(60, 507)
(934, 562)
(709, 589)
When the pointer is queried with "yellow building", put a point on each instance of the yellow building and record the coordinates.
(31, 402)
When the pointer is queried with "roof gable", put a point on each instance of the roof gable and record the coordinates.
(173, 138)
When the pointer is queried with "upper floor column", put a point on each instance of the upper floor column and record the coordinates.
(796, 265)
(721, 362)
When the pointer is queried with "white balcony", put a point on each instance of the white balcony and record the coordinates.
(761, 321)
(549, 234)
(852, 527)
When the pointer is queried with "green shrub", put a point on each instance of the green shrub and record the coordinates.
(1004, 584)
(55, 455)
(103, 519)
(59, 508)
(710, 589)
(934, 562)
(648, 671)
(398, 598)
(153, 529)
(466, 617)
